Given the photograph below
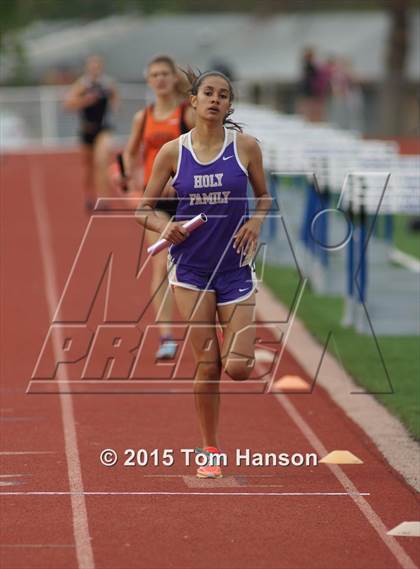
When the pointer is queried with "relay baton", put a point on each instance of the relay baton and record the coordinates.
(190, 225)
(120, 161)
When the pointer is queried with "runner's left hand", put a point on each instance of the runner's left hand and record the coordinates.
(245, 240)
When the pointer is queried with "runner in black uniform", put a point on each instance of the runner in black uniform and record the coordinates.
(94, 96)
(95, 118)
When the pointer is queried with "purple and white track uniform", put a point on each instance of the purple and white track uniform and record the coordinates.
(207, 260)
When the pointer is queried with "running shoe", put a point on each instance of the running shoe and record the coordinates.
(167, 350)
(211, 469)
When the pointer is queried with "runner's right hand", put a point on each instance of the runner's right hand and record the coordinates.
(175, 233)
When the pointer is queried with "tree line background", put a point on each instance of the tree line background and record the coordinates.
(16, 14)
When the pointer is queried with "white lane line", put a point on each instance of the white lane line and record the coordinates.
(17, 452)
(406, 529)
(40, 545)
(11, 419)
(227, 476)
(371, 516)
(408, 261)
(84, 550)
(40, 493)
(13, 475)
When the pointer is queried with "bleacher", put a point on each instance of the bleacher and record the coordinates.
(332, 188)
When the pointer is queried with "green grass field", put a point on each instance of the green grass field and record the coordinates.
(359, 354)
(404, 239)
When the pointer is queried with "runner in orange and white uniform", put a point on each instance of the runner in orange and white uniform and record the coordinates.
(166, 119)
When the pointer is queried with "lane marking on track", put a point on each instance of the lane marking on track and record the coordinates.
(227, 476)
(13, 479)
(40, 545)
(371, 516)
(18, 452)
(13, 475)
(191, 481)
(12, 419)
(84, 550)
(41, 493)
(407, 261)
(406, 529)
(231, 480)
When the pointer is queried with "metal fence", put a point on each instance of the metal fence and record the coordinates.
(35, 115)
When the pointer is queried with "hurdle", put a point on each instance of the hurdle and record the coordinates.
(335, 166)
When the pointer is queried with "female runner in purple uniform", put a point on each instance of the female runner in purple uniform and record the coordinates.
(210, 167)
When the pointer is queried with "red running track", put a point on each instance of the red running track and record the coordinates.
(61, 508)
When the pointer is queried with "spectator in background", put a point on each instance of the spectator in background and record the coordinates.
(94, 96)
(355, 97)
(336, 91)
(313, 87)
(345, 100)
